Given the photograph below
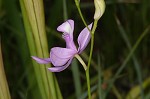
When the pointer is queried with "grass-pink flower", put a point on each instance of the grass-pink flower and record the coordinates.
(61, 58)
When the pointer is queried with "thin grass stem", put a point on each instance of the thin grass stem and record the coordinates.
(136, 64)
(127, 59)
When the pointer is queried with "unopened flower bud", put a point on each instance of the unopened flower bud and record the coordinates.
(99, 8)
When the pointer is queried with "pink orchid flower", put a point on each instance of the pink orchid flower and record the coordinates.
(61, 58)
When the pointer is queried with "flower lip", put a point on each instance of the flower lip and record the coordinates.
(59, 56)
(60, 68)
(63, 53)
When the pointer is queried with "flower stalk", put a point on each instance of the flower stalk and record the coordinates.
(81, 15)
(99, 10)
(81, 61)
(90, 58)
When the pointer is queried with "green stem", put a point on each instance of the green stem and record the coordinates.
(88, 83)
(80, 13)
(90, 57)
(92, 44)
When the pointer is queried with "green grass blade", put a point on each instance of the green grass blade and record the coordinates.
(85, 94)
(16, 31)
(136, 64)
(37, 41)
(99, 79)
(76, 77)
(65, 10)
(127, 59)
(4, 90)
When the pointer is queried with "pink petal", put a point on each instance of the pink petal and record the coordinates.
(67, 27)
(41, 60)
(60, 68)
(84, 38)
(60, 56)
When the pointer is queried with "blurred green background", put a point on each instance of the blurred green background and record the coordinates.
(118, 30)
